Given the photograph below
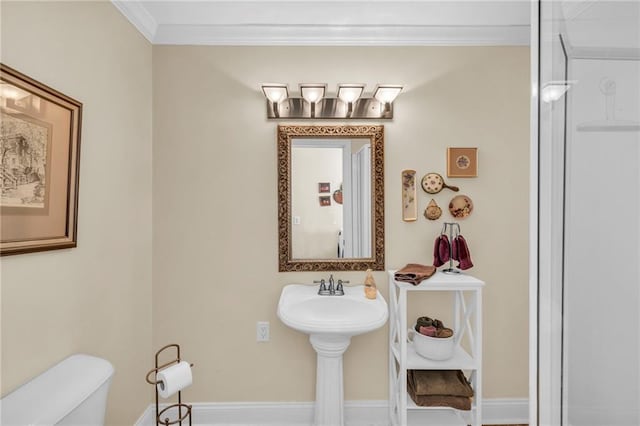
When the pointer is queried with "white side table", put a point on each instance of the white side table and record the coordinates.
(403, 357)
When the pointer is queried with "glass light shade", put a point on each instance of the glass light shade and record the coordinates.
(387, 93)
(312, 93)
(275, 92)
(349, 93)
(554, 90)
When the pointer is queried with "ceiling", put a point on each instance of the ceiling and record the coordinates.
(330, 22)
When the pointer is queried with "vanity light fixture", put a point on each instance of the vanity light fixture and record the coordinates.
(313, 102)
(275, 93)
(312, 93)
(554, 90)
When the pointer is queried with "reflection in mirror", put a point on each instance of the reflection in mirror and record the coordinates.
(330, 198)
(331, 195)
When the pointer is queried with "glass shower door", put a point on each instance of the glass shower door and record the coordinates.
(601, 369)
(589, 236)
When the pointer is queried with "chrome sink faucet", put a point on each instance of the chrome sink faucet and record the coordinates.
(338, 290)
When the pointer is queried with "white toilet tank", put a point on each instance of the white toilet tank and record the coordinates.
(72, 392)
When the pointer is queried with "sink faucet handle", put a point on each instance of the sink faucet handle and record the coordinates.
(323, 290)
(339, 288)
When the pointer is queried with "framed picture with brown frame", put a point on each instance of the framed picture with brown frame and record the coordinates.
(462, 162)
(324, 187)
(39, 165)
(325, 200)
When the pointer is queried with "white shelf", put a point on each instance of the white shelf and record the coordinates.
(442, 282)
(467, 314)
(461, 360)
(439, 415)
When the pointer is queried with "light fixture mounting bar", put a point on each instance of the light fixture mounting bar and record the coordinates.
(330, 108)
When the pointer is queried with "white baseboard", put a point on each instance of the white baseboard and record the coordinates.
(357, 413)
(505, 411)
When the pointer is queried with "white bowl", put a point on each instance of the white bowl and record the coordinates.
(435, 348)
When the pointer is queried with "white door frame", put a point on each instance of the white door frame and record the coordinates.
(361, 183)
(345, 146)
(533, 217)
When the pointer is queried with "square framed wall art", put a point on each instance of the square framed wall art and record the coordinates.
(39, 164)
(324, 187)
(462, 162)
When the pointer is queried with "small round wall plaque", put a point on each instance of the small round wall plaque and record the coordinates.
(460, 206)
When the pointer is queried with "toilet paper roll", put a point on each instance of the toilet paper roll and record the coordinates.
(173, 379)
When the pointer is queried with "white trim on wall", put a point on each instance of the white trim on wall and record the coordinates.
(315, 23)
(343, 35)
(138, 15)
(357, 413)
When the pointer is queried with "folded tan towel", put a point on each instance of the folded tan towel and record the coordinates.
(457, 402)
(414, 273)
(439, 382)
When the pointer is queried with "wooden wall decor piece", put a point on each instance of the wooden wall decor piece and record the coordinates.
(409, 201)
(433, 211)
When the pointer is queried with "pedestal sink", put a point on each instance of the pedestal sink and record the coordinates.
(330, 322)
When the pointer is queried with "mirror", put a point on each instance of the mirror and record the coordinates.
(331, 198)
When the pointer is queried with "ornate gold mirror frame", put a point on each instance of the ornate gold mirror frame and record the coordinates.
(375, 134)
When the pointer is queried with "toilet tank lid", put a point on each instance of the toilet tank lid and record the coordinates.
(49, 397)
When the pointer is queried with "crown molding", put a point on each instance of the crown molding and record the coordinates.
(329, 23)
(333, 35)
(139, 16)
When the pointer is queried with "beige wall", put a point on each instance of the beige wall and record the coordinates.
(94, 298)
(215, 206)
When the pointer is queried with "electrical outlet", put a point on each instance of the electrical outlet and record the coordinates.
(262, 331)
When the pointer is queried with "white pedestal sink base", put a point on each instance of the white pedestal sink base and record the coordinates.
(330, 322)
(329, 408)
